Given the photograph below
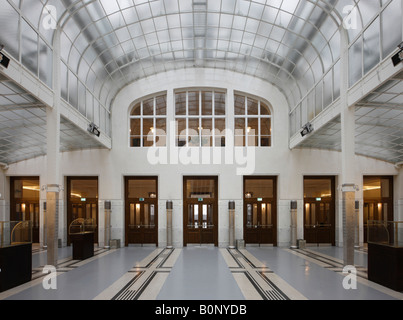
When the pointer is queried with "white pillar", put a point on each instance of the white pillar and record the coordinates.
(53, 159)
(348, 155)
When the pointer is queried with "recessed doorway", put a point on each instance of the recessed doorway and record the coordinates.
(260, 210)
(25, 195)
(200, 216)
(82, 201)
(319, 210)
(141, 218)
(378, 201)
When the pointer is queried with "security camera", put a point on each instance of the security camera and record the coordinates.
(400, 46)
(93, 129)
(307, 129)
(1, 47)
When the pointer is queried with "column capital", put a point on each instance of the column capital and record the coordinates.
(349, 187)
(52, 188)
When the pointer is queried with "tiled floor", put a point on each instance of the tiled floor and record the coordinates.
(202, 273)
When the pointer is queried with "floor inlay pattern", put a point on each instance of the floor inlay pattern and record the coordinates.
(145, 280)
(255, 279)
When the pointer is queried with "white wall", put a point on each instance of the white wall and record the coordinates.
(112, 166)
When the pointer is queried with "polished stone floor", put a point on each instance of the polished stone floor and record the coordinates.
(202, 273)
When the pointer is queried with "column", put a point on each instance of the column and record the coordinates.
(169, 224)
(293, 210)
(231, 210)
(348, 186)
(53, 187)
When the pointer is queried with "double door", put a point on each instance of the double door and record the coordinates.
(319, 227)
(200, 210)
(200, 224)
(141, 222)
(260, 222)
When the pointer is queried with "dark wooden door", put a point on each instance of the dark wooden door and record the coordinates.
(141, 210)
(319, 210)
(200, 227)
(141, 222)
(200, 216)
(260, 222)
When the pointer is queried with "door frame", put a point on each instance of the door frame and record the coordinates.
(264, 200)
(332, 205)
(128, 201)
(13, 201)
(186, 202)
(70, 203)
(389, 201)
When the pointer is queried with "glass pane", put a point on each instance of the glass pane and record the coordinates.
(135, 127)
(181, 132)
(239, 105)
(132, 221)
(264, 109)
(161, 106)
(26, 189)
(220, 132)
(148, 132)
(146, 215)
(152, 215)
(194, 103)
(219, 106)
(136, 111)
(249, 216)
(318, 188)
(193, 132)
(207, 103)
(138, 217)
(148, 107)
(254, 215)
(259, 188)
(180, 103)
(142, 188)
(196, 216)
(200, 188)
(85, 188)
(376, 188)
(253, 107)
(207, 132)
(253, 126)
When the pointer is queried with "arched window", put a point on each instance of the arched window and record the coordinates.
(252, 122)
(148, 123)
(200, 118)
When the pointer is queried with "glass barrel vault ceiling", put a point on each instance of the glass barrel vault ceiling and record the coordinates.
(107, 44)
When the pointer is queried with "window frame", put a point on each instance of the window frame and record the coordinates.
(154, 117)
(247, 117)
(200, 117)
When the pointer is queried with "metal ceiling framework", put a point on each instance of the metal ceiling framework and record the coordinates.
(23, 127)
(107, 44)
